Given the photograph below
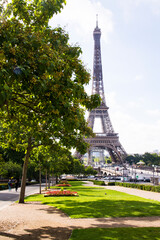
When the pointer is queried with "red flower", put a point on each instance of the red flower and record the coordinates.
(61, 193)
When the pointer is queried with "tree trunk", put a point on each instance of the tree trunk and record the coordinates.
(40, 188)
(52, 179)
(24, 172)
(56, 179)
(49, 180)
(46, 179)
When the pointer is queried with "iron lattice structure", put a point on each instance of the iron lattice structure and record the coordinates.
(107, 139)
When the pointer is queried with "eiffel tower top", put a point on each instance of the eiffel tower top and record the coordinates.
(97, 83)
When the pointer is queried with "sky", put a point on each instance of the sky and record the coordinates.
(130, 50)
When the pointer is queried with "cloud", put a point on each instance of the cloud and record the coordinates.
(154, 112)
(139, 77)
(79, 18)
(136, 136)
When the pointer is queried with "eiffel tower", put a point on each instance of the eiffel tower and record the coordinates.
(107, 139)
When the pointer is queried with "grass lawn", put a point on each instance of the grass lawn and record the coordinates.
(94, 202)
(116, 234)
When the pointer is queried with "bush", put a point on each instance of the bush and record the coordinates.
(111, 183)
(138, 186)
(96, 182)
(157, 189)
(3, 186)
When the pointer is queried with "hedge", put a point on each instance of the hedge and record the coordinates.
(4, 186)
(96, 182)
(138, 186)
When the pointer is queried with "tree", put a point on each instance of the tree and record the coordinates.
(148, 158)
(12, 155)
(12, 170)
(9, 168)
(151, 159)
(2, 163)
(52, 160)
(42, 82)
(90, 171)
(133, 159)
(96, 160)
(108, 160)
(78, 167)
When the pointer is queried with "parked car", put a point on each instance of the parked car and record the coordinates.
(146, 180)
(106, 178)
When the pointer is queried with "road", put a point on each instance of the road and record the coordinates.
(8, 197)
(130, 171)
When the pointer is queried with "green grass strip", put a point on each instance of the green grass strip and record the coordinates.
(116, 234)
(95, 202)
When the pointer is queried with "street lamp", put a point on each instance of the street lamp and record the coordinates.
(123, 168)
(153, 173)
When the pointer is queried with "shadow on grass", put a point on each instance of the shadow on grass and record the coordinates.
(125, 222)
(116, 234)
(52, 233)
(105, 208)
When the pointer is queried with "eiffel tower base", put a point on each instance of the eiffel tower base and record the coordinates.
(109, 143)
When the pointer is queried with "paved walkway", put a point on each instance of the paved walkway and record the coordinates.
(35, 221)
(7, 197)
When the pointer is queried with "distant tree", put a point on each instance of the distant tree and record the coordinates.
(77, 167)
(148, 158)
(13, 155)
(108, 160)
(96, 160)
(90, 171)
(151, 159)
(12, 170)
(2, 163)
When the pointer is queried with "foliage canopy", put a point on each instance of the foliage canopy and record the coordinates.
(42, 95)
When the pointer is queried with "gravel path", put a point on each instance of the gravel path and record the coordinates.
(35, 221)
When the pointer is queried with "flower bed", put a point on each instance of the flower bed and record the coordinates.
(63, 185)
(57, 193)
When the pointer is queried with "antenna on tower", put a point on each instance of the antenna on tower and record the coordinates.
(97, 20)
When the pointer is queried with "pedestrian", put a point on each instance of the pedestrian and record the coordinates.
(16, 184)
(9, 184)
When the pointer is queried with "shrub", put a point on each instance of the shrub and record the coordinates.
(157, 189)
(102, 183)
(139, 186)
(111, 183)
(3, 186)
